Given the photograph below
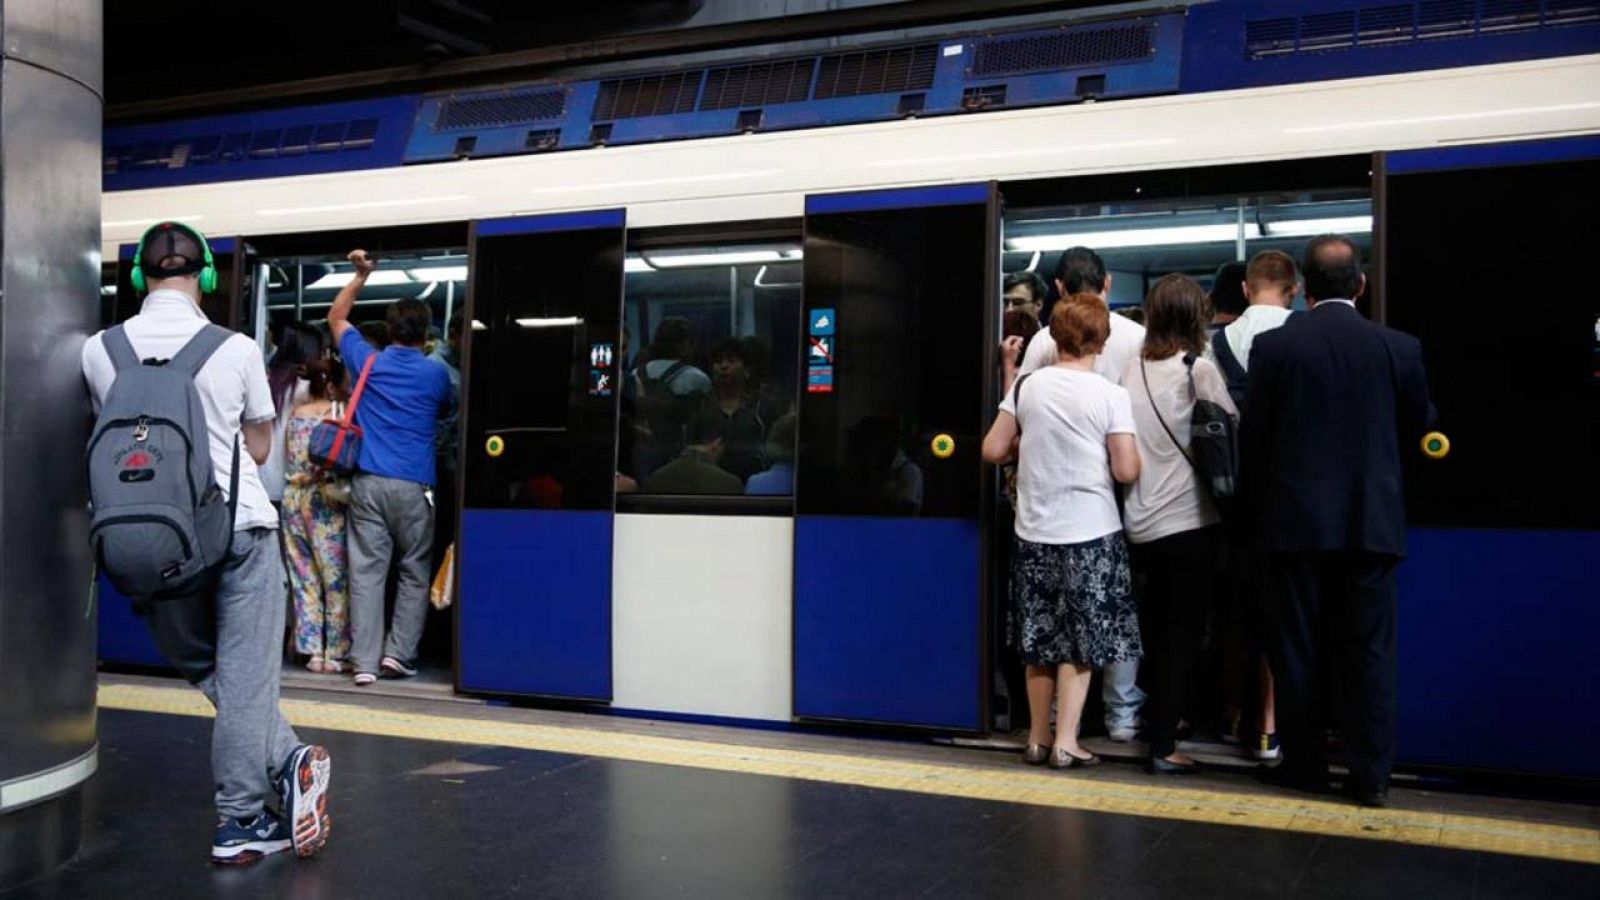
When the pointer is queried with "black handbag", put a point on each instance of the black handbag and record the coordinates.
(1213, 438)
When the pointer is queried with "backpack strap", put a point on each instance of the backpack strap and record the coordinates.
(1227, 360)
(193, 355)
(672, 372)
(119, 348)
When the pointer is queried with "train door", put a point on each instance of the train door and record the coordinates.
(123, 638)
(1482, 259)
(892, 498)
(539, 449)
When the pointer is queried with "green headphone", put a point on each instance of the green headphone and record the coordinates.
(207, 267)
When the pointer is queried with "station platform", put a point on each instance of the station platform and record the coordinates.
(463, 798)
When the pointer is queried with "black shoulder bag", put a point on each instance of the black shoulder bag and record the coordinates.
(1213, 437)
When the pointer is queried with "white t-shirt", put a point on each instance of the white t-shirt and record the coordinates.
(1241, 332)
(1064, 485)
(272, 471)
(1168, 499)
(1124, 343)
(232, 384)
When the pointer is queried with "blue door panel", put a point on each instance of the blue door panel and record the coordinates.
(535, 612)
(886, 623)
(124, 639)
(1497, 650)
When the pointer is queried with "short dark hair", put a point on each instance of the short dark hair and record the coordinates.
(409, 320)
(375, 333)
(1080, 324)
(1036, 285)
(1227, 289)
(1332, 268)
(1020, 323)
(1175, 317)
(672, 337)
(1081, 271)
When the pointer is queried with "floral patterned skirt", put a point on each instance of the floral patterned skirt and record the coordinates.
(1073, 603)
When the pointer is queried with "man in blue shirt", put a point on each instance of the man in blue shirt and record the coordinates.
(391, 496)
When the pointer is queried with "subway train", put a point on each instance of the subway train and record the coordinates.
(819, 242)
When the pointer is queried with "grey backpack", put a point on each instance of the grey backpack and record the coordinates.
(159, 524)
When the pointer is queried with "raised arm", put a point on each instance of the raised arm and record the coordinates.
(339, 316)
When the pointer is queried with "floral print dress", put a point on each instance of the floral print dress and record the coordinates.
(314, 539)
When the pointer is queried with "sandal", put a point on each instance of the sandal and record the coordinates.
(315, 664)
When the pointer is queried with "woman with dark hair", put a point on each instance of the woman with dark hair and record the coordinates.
(299, 346)
(1170, 517)
(1071, 431)
(731, 410)
(314, 529)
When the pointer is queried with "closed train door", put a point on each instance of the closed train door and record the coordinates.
(1505, 529)
(539, 436)
(892, 500)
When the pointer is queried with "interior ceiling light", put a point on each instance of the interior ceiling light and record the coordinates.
(1312, 227)
(635, 264)
(479, 326)
(730, 257)
(1135, 237)
(340, 279)
(563, 322)
(440, 273)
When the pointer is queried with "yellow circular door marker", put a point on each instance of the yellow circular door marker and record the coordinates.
(495, 445)
(1435, 445)
(943, 445)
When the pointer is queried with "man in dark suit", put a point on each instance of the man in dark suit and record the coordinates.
(1335, 402)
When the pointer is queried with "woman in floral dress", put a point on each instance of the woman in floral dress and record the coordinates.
(314, 533)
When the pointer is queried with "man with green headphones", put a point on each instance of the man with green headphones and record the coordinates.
(226, 639)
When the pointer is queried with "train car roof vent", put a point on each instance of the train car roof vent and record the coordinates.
(647, 95)
(501, 109)
(1066, 49)
(1400, 23)
(892, 70)
(758, 84)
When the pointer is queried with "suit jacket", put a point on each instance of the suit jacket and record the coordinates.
(1335, 403)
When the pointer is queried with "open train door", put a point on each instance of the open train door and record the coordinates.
(539, 440)
(123, 637)
(892, 500)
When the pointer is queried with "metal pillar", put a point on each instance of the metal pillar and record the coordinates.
(51, 103)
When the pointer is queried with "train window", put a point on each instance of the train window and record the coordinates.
(1485, 267)
(301, 289)
(1143, 240)
(709, 356)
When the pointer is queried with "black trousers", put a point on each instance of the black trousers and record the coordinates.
(1334, 611)
(1179, 588)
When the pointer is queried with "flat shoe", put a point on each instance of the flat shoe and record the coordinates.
(1036, 754)
(1158, 766)
(1062, 759)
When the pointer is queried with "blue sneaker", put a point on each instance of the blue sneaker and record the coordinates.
(240, 843)
(303, 790)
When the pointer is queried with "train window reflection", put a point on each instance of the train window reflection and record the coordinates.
(709, 362)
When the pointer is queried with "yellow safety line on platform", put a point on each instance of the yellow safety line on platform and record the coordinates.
(1457, 832)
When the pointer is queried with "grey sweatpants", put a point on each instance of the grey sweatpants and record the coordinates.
(388, 519)
(230, 645)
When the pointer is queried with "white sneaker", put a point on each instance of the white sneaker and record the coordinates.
(365, 678)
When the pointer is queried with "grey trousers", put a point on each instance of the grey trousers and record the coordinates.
(388, 519)
(230, 645)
